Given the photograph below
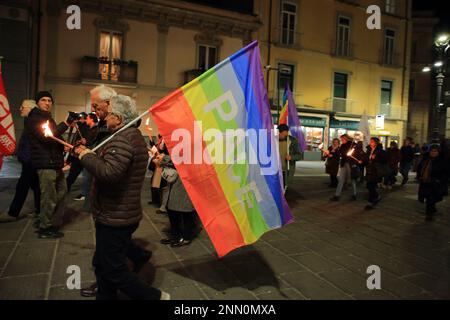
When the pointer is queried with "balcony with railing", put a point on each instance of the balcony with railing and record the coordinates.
(341, 105)
(274, 100)
(107, 70)
(393, 112)
(391, 59)
(342, 49)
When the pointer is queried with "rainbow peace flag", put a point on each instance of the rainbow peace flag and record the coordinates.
(219, 132)
(289, 116)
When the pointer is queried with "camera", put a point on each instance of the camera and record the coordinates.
(75, 116)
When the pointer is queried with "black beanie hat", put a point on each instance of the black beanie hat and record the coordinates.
(42, 94)
(283, 127)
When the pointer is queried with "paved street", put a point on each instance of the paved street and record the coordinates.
(324, 254)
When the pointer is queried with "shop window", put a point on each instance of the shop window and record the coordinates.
(110, 52)
(207, 57)
(313, 137)
(288, 22)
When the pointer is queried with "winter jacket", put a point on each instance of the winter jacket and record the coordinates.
(119, 172)
(375, 162)
(432, 189)
(393, 157)
(45, 153)
(332, 164)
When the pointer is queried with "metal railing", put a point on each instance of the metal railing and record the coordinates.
(105, 69)
(393, 112)
(389, 58)
(341, 105)
(342, 48)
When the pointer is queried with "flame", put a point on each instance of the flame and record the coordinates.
(147, 122)
(47, 131)
(321, 146)
(350, 152)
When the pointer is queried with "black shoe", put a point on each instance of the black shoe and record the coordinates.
(334, 198)
(168, 240)
(160, 212)
(49, 233)
(180, 242)
(90, 291)
(404, 182)
(142, 261)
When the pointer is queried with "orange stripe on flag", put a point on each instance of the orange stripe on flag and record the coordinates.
(200, 180)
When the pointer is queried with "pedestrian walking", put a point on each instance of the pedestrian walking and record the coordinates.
(28, 176)
(432, 172)
(393, 157)
(406, 159)
(376, 169)
(332, 162)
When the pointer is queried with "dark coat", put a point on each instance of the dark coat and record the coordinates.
(393, 157)
(345, 148)
(45, 152)
(407, 154)
(432, 190)
(23, 147)
(374, 163)
(332, 164)
(119, 172)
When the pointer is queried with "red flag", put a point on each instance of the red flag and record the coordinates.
(7, 136)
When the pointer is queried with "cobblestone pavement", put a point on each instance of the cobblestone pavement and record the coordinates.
(324, 254)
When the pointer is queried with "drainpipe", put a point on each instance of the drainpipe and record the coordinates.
(270, 45)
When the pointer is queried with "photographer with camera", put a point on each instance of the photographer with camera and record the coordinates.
(47, 156)
(79, 139)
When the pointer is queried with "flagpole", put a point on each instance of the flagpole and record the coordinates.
(121, 129)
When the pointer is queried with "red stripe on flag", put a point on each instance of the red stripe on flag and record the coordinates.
(200, 180)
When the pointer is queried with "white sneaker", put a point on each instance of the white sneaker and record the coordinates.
(164, 296)
(79, 198)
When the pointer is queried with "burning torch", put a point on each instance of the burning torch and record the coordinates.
(350, 154)
(49, 134)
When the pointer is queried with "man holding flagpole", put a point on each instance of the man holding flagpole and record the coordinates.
(292, 141)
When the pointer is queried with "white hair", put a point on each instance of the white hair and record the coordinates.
(103, 92)
(29, 103)
(125, 107)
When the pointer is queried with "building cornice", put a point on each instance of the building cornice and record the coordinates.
(194, 17)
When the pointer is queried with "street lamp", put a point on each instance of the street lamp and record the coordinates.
(441, 45)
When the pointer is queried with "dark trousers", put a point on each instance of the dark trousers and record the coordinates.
(28, 179)
(182, 224)
(333, 180)
(431, 207)
(113, 244)
(75, 169)
(373, 194)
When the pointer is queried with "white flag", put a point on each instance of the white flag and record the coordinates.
(364, 129)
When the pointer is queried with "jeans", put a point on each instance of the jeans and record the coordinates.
(28, 179)
(373, 194)
(53, 189)
(112, 247)
(345, 175)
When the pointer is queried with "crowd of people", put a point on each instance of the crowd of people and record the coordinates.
(346, 161)
(113, 177)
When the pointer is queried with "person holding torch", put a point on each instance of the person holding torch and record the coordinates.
(47, 156)
(349, 161)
